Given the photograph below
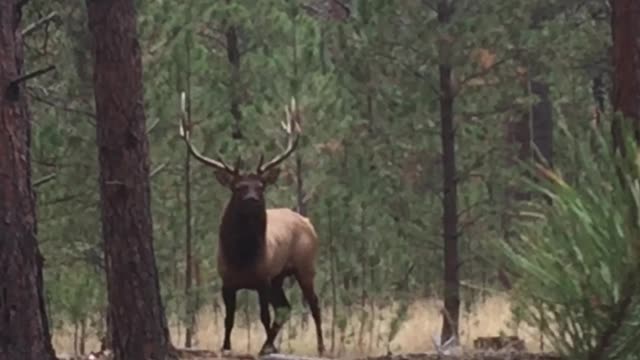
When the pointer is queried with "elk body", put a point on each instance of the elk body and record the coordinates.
(258, 247)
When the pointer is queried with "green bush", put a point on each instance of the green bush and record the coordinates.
(575, 256)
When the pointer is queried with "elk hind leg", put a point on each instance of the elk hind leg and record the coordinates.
(305, 280)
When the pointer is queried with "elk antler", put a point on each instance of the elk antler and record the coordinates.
(292, 128)
(185, 133)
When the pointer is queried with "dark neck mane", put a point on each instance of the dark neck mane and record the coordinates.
(242, 235)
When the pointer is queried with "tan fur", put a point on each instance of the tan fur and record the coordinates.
(291, 246)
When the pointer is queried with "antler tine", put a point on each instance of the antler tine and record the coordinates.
(185, 134)
(293, 130)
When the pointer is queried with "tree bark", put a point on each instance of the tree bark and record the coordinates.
(138, 323)
(450, 187)
(188, 276)
(625, 25)
(24, 330)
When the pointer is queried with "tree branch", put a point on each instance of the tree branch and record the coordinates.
(12, 92)
(153, 125)
(45, 179)
(32, 75)
(86, 113)
(157, 170)
(38, 24)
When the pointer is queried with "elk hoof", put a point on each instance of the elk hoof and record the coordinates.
(321, 350)
(226, 352)
(268, 349)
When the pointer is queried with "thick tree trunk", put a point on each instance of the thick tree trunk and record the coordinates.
(24, 331)
(450, 189)
(138, 324)
(625, 25)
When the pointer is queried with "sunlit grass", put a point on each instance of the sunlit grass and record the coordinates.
(489, 318)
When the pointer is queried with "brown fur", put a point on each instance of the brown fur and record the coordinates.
(291, 246)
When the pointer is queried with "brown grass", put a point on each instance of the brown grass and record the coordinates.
(489, 318)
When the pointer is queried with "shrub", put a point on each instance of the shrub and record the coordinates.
(575, 256)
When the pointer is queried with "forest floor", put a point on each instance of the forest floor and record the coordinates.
(466, 355)
(368, 340)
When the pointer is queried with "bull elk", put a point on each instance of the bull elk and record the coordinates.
(257, 247)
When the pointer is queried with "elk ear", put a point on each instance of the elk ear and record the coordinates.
(271, 176)
(225, 178)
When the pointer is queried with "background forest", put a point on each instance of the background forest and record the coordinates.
(392, 183)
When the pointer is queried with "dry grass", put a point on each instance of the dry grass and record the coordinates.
(423, 320)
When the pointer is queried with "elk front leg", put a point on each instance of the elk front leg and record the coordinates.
(282, 311)
(229, 299)
(265, 316)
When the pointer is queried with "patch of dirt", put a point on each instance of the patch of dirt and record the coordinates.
(472, 355)
(190, 354)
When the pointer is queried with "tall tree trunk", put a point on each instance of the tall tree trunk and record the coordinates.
(188, 277)
(540, 117)
(301, 206)
(235, 85)
(450, 187)
(625, 25)
(138, 323)
(24, 330)
(531, 132)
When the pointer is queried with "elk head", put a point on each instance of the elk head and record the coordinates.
(248, 188)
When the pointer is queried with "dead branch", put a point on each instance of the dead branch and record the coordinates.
(32, 75)
(12, 91)
(153, 125)
(157, 170)
(86, 113)
(45, 179)
(41, 22)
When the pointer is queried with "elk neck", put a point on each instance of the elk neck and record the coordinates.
(242, 233)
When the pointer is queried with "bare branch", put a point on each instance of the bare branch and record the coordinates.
(153, 125)
(473, 206)
(157, 170)
(86, 113)
(45, 179)
(12, 91)
(41, 22)
(32, 75)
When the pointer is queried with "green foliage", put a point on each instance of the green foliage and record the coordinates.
(577, 257)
